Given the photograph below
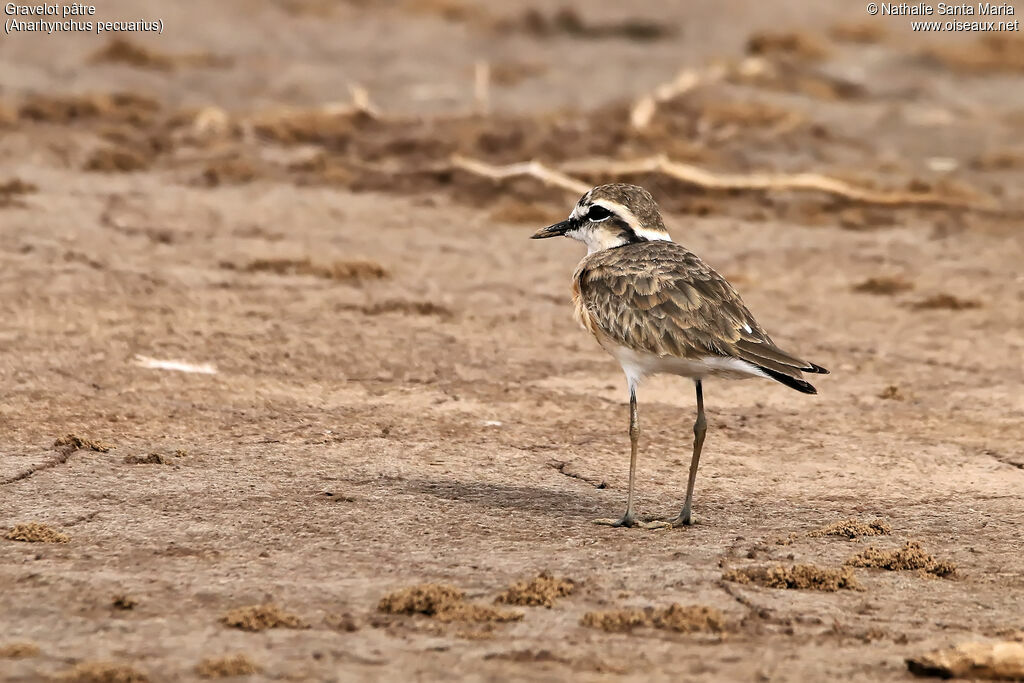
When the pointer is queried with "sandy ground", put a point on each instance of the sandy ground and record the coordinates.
(401, 396)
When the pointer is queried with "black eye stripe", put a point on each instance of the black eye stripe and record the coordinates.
(598, 213)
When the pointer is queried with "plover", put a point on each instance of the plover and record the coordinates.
(657, 308)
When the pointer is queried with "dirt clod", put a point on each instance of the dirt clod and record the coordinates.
(568, 21)
(675, 617)
(891, 393)
(787, 44)
(124, 51)
(911, 556)
(338, 270)
(800, 576)
(1002, 661)
(125, 602)
(72, 442)
(344, 622)
(229, 172)
(852, 528)
(151, 459)
(946, 301)
(884, 285)
(444, 603)
(11, 190)
(226, 666)
(102, 672)
(861, 32)
(18, 650)
(427, 598)
(116, 160)
(407, 307)
(260, 618)
(541, 590)
(34, 532)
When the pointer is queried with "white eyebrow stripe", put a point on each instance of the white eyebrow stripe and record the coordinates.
(620, 211)
(632, 221)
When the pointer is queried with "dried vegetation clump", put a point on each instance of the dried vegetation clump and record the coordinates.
(73, 442)
(910, 557)
(102, 672)
(34, 532)
(441, 602)
(852, 528)
(261, 618)
(800, 576)
(237, 664)
(541, 590)
(675, 617)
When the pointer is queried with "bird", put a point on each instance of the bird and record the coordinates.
(656, 307)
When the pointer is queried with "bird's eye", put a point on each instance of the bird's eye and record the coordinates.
(598, 213)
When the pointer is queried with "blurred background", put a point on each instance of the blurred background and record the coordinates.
(270, 269)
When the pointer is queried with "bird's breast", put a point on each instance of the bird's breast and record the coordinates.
(579, 308)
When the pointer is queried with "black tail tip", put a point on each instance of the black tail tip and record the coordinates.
(791, 382)
(817, 369)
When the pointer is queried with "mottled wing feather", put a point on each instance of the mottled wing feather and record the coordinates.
(661, 298)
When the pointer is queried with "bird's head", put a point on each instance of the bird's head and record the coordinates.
(610, 216)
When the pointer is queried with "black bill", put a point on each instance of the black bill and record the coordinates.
(555, 230)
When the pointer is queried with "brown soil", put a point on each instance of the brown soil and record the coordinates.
(435, 416)
(19, 650)
(910, 556)
(541, 590)
(800, 577)
(675, 617)
(443, 603)
(34, 532)
(260, 618)
(852, 528)
(229, 665)
(1001, 661)
(102, 672)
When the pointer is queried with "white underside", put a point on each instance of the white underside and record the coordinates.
(640, 364)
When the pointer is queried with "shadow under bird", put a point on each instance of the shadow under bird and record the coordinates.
(657, 308)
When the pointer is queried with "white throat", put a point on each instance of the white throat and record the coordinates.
(598, 239)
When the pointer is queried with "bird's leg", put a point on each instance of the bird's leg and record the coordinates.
(628, 519)
(699, 430)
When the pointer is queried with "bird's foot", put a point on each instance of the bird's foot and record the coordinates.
(630, 520)
(678, 520)
(627, 520)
